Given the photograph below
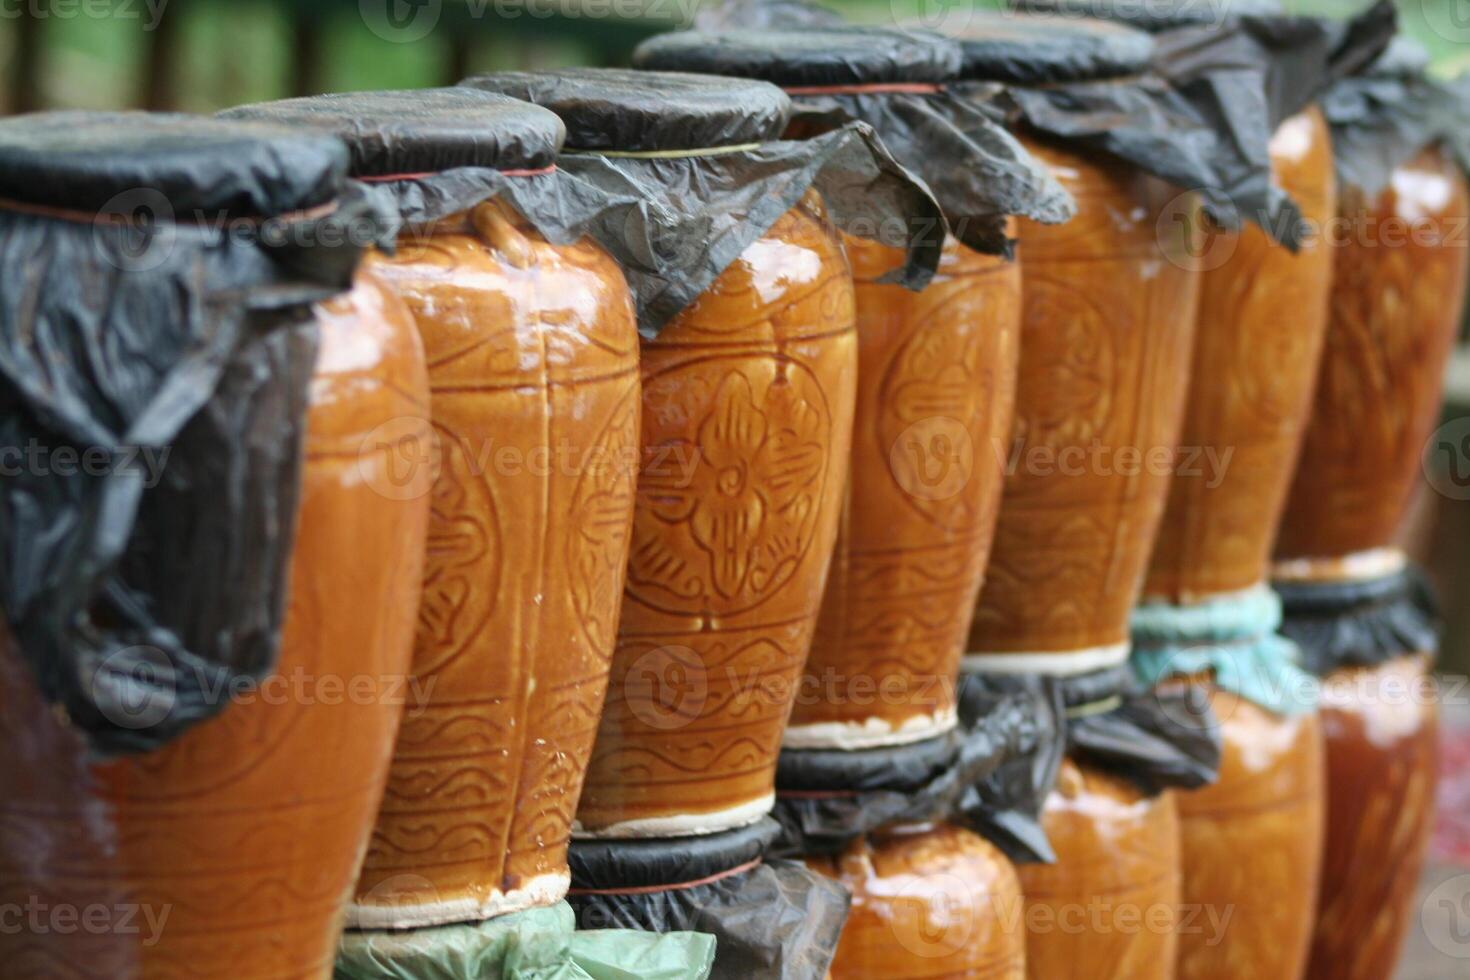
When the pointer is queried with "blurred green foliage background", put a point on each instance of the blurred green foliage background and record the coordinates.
(201, 55)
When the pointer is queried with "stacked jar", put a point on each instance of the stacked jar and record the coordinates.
(936, 374)
(231, 848)
(748, 407)
(534, 403)
(1108, 311)
(1353, 604)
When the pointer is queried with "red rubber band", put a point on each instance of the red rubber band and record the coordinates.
(653, 889)
(386, 178)
(911, 88)
(84, 218)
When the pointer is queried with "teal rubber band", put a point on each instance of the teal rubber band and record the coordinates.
(1233, 638)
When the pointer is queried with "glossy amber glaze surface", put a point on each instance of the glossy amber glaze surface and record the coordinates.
(1381, 731)
(1107, 909)
(1262, 319)
(1397, 299)
(936, 389)
(928, 903)
(533, 370)
(1107, 321)
(747, 426)
(240, 841)
(1252, 846)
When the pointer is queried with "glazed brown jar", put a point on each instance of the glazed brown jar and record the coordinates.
(532, 356)
(1252, 843)
(936, 388)
(532, 350)
(1107, 322)
(1109, 906)
(1380, 726)
(747, 423)
(1399, 261)
(928, 901)
(238, 843)
(1395, 311)
(1262, 319)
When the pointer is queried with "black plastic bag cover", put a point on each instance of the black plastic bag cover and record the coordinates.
(977, 170)
(764, 13)
(1154, 739)
(772, 919)
(142, 592)
(675, 215)
(1360, 624)
(827, 799)
(837, 55)
(1088, 85)
(1254, 72)
(1153, 15)
(1384, 117)
(1020, 50)
(1005, 806)
(619, 110)
(423, 131)
(1157, 739)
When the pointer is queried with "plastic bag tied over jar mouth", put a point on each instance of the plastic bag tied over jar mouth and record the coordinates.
(1202, 116)
(694, 170)
(158, 327)
(897, 82)
(1360, 622)
(771, 918)
(1386, 115)
(426, 155)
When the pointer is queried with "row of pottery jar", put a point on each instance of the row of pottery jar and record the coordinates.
(936, 390)
(1353, 604)
(501, 341)
(230, 851)
(1086, 339)
(726, 562)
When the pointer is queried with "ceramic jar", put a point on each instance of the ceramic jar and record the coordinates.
(1109, 905)
(927, 901)
(1263, 316)
(1262, 319)
(1107, 321)
(232, 851)
(1252, 844)
(936, 389)
(747, 426)
(533, 371)
(1398, 294)
(1395, 311)
(1382, 754)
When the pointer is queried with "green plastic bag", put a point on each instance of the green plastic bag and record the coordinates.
(538, 944)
